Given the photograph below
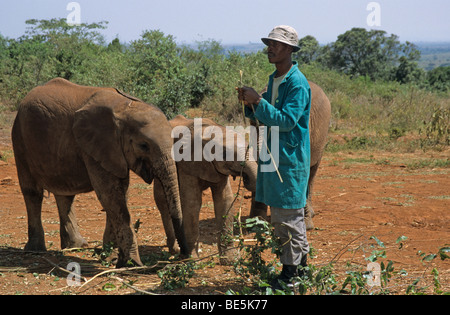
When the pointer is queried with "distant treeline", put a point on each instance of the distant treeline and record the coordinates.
(434, 55)
(175, 78)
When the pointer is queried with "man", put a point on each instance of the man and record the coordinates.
(286, 105)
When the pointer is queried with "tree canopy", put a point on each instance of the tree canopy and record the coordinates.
(158, 70)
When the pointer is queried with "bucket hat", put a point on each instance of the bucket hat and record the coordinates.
(284, 34)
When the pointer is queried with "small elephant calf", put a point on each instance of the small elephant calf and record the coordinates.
(196, 176)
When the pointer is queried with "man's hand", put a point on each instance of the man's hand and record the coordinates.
(248, 95)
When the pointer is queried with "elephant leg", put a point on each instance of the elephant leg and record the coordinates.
(109, 237)
(163, 208)
(118, 230)
(69, 232)
(258, 209)
(110, 243)
(111, 191)
(224, 212)
(33, 196)
(33, 201)
(309, 210)
(191, 203)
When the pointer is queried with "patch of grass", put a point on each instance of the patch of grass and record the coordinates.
(439, 197)
(428, 163)
(5, 155)
(360, 278)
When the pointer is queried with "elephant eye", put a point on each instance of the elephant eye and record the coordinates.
(144, 147)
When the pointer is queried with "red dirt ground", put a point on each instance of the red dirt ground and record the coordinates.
(356, 196)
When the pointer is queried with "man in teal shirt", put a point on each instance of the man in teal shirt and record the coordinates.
(284, 108)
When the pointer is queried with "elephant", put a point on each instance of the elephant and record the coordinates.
(70, 139)
(195, 176)
(319, 123)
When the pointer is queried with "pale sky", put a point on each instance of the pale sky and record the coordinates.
(238, 21)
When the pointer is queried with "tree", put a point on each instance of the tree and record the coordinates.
(48, 49)
(4, 56)
(408, 69)
(50, 29)
(359, 52)
(439, 79)
(116, 46)
(3, 49)
(70, 45)
(309, 49)
(158, 72)
(202, 64)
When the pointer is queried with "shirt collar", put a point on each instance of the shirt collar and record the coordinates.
(290, 72)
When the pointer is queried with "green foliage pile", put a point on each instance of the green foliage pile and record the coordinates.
(373, 81)
(257, 273)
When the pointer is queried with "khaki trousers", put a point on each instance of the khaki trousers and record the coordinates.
(290, 228)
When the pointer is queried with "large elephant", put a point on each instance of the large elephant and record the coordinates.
(319, 123)
(70, 139)
(196, 176)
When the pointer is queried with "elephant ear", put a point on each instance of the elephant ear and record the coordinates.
(96, 132)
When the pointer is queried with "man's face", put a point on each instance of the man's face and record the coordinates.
(277, 52)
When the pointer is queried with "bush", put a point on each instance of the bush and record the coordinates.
(359, 279)
(437, 129)
(386, 104)
(439, 79)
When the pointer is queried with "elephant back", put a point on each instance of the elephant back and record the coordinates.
(319, 121)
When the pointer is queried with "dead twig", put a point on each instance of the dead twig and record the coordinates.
(60, 268)
(119, 270)
(132, 286)
(338, 255)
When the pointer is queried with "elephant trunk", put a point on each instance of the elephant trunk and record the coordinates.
(250, 174)
(250, 170)
(166, 171)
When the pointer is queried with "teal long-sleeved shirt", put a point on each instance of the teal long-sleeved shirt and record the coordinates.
(291, 149)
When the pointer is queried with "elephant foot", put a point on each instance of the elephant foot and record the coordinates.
(228, 257)
(173, 249)
(35, 245)
(309, 224)
(113, 257)
(309, 214)
(258, 209)
(133, 260)
(129, 263)
(227, 261)
(77, 242)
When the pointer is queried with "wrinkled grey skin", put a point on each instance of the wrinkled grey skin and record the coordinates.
(196, 176)
(70, 139)
(319, 123)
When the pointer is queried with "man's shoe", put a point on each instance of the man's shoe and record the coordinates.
(302, 266)
(288, 273)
